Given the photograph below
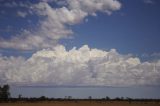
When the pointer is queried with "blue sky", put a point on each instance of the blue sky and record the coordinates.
(132, 29)
(80, 43)
(85, 92)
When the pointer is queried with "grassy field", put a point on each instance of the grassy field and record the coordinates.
(82, 103)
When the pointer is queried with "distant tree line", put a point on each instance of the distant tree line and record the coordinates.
(5, 97)
(90, 99)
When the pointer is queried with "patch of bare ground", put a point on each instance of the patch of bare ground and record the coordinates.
(82, 103)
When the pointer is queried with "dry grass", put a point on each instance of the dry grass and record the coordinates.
(82, 103)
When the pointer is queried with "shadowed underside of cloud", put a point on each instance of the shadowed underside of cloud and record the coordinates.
(79, 67)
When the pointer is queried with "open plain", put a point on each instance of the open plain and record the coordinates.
(82, 103)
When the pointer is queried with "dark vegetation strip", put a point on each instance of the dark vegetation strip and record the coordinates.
(5, 97)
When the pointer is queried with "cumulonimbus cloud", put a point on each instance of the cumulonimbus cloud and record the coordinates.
(53, 26)
(76, 67)
(79, 67)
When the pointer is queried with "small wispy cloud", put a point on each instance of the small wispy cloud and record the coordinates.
(22, 14)
(148, 1)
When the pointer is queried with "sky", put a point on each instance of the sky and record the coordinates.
(80, 43)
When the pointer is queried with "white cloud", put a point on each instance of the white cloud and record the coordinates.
(22, 14)
(27, 41)
(13, 4)
(148, 1)
(91, 6)
(53, 26)
(83, 67)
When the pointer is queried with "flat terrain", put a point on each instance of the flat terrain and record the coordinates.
(82, 103)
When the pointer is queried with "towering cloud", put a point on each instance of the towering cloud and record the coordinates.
(54, 65)
(82, 67)
(54, 22)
